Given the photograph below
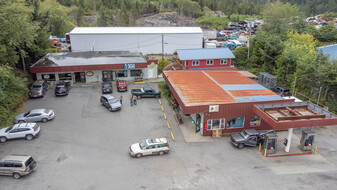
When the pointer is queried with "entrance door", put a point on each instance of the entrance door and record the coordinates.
(107, 75)
(197, 123)
(80, 77)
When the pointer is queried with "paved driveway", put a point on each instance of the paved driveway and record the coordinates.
(86, 147)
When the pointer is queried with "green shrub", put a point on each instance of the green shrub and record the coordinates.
(165, 89)
(162, 64)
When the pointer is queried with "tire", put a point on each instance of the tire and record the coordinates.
(139, 97)
(44, 120)
(21, 121)
(241, 146)
(29, 137)
(3, 139)
(110, 109)
(161, 153)
(16, 175)
(138, 155)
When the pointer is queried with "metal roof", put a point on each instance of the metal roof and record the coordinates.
(217, 87)
(90, 58)
(330, 50)
(135, 30)
(205, 53)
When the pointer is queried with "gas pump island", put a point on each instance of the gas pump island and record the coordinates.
(287, 116)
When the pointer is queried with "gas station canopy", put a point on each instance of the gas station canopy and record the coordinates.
(294, 115)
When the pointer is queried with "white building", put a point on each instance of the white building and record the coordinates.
(148, 40)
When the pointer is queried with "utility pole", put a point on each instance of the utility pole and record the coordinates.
(319, 94)
(23, 63)
(294, 86)
(162, 46)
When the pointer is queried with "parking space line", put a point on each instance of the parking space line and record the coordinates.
(172, 136)
(165, 116)
(168, 125)
(159, 101)
(140, 82)
(162, 109)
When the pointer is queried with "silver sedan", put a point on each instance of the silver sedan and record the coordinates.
(43, 115)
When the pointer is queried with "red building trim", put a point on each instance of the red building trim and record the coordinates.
(203, 63)
(87, 67)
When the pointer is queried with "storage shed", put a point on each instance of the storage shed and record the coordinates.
(148, 40)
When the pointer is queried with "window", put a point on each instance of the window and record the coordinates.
(195, 63)
(235, 122)
(223, 61)
(136, 73)
(9, 164)
(209, 62)
(213, 124)
(65, 76)
(18, 165)
(1, 164)
(255, 121)
(121, 73)
(14, 131)
(49, 77)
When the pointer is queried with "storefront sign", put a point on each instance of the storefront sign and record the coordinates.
(46, 76)
(213, 108)
(129, 66)
(89, 73)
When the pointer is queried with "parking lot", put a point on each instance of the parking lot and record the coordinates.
(86, 147)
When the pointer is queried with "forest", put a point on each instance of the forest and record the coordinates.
(285, 46)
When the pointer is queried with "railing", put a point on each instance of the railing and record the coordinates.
(306, 98)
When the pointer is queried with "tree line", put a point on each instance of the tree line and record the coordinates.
(287, 48)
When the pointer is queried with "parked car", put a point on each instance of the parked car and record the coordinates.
(149, 147)
(21, 130)
(280, 90)
(248, 137)
(145, 92)
(38, 89)
(121, 85)
(35, 115)
(17, 165)
(110, 102)
(62, 88)
(106, 87)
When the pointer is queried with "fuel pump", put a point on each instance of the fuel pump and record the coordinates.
(269, 143)
(307, 140)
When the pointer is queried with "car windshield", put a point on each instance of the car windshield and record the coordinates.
(121, 85)
(26, 114)
(60, 88)
(244, 134)
(106, 85)
(8, 129)
(37, 86)
(36, 126)
(113, 100)
(143, 145)
(46, 111)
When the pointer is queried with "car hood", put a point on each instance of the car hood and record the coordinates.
(2, 131)
(135, 147)
(20, 116)
(237, 137)
(116, 105)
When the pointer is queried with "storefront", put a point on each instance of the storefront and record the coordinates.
(87, 67)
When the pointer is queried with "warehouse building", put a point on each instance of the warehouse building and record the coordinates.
(230, 102)
(90, 67)
(148, 40)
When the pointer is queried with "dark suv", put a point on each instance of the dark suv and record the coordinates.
(39, 88)
(62, 88)
(280, 90)
(106, 87)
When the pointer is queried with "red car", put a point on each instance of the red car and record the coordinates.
(121, 85)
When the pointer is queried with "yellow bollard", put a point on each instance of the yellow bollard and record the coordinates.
(159, 101)
(168, 125)
(162, 108)
(315, 149)
(265, 152)
(259, 147)
(165, 116)
(172, 136)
